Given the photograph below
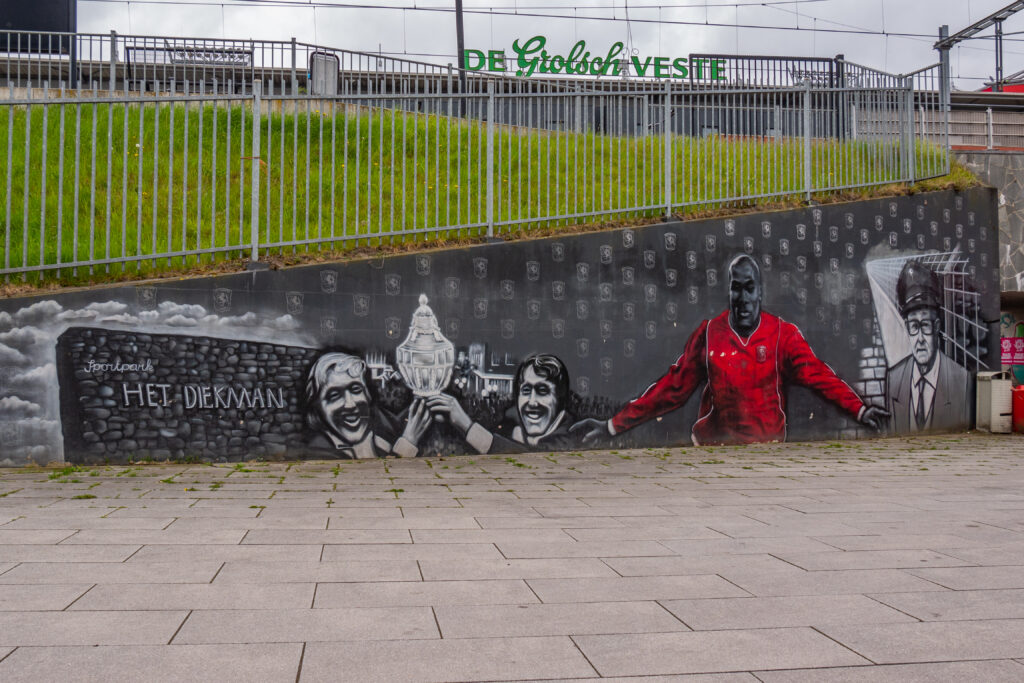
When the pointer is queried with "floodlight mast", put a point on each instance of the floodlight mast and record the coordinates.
(995, 19)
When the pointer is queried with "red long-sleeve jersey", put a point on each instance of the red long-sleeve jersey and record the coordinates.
(744, 400)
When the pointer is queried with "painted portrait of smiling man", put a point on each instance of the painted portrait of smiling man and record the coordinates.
(540, 419)
(340, 412)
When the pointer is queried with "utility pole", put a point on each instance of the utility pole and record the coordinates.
(460, 38)
(998, 87)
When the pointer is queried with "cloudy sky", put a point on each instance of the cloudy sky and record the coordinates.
(870, 32)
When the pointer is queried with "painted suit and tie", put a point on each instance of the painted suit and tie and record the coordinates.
(927, 390)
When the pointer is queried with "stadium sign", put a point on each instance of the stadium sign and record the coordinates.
(530, 57)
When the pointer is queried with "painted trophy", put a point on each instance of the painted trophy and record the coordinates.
(426, 358)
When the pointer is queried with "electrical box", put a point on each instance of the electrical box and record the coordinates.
(323, 74)
(994, 402)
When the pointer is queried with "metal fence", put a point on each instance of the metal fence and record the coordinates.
(112, 179)
(987, 126)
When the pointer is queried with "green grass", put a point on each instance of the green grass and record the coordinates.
(392, 172)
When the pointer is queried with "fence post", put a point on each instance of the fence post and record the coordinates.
(449, 89)
(990, 136)
(907, 144)
(295, 82)
(578, 114)
(490, 158)
(113, 60)
(666, 132)
(254, 157)
(944, 93)
(808, 179)
(853, 117)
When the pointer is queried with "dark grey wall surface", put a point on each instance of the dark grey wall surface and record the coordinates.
(203, 397)
(617, 308)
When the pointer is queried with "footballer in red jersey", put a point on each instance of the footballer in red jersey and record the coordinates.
(745, 358)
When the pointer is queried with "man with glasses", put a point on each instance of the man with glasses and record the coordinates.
(927, 390)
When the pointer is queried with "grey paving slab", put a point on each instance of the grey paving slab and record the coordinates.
(571, 548)
(111, 572)
(933, 641)
(501, 621)
(490, 536)
(998, 554)
(690, 678)
(88, 628)
(80, 522)
(972, 531)
(311, 536)
(318, 521)
(705, 615)
(643, 533)
(693, 564)
(227, 553)
(841, 582)
(996, 671)
(871, 559)
(463, 521)
(626, 510)
(713, 651)
(483, 659)
(433, 593)
(66, 553)
(959, 604)
(144, 537)
(308, 625)
(313, 571)
(183, 511)
(582, 567)
(537, 522)
(579, 590)
(14, 598)
(745, 546)
(33, 536)
(967, 578)
(162, 596)
(454, 552)
(751, 528)
(273, 662)
(897, 541)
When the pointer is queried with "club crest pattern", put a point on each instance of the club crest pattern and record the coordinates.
(822, 323)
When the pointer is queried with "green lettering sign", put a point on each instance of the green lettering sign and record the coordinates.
(531, 57)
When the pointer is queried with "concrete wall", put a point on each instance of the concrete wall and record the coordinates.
(306, 362)
(1005, 172)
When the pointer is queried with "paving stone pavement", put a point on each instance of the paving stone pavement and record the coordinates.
(886, 560)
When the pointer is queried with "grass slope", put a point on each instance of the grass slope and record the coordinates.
(163, 179)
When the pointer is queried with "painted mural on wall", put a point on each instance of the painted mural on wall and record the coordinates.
(1011, 327)
(832, 322)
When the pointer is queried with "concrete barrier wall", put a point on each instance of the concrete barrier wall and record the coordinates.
(816, 323)
(1005, 171)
